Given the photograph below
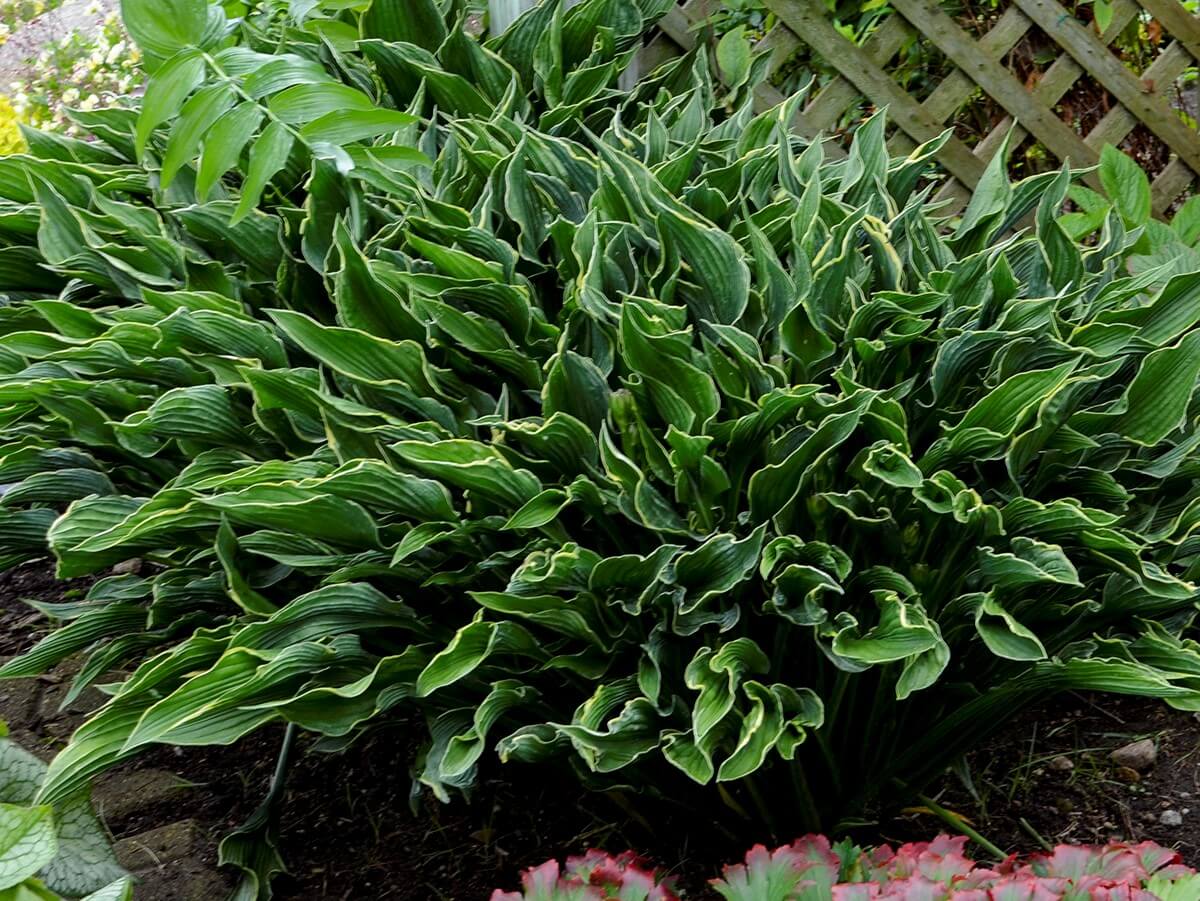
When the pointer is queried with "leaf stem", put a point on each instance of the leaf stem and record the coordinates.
(956, 822)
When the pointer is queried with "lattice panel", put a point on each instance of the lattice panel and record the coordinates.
(863, 72)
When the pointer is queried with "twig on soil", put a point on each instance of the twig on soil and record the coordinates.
(1035, 835)
(955, 821)
(1097, 707)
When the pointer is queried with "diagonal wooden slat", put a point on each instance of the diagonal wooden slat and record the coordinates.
(862, 72)
(1118, 122)
(997, 81)
(855, 66)
(832, 101)
(1056, 81)
(956, 89)
(1149, 107)
(680, 25)
(1177, 22)
(1176, 178)
(1049, 90)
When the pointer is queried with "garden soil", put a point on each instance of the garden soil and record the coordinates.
(348, 830)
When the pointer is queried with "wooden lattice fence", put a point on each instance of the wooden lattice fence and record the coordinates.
(978, 64)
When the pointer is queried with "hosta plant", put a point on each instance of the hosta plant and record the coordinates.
(615, 427)
(813, 869)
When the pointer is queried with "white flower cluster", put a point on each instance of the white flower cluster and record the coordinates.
(83, 70)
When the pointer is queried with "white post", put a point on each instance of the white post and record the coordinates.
(502, 13)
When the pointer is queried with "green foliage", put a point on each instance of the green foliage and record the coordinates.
(1175, 248)
(619, 427)
(68, 842)
(813, 869)
(45, 851)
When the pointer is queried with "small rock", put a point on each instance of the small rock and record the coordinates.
(128, 567)
(189, 879)
(158, 846)
(1138, 755)
(19, 700)
(1064, 805)
(119, 795)
(1062, 764)
(1128, 774)
(1171, 818)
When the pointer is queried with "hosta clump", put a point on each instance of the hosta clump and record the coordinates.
(624, 428)
(813, 869)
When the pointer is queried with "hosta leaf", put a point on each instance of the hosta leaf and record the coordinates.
(472, 467)
(1002, 633)
(469, 649)
(539, 511)
(166, 91)
(1126, 185)
(268, 155)
(196, 120)
(101, 622)
(239, 588)
(166, 27)
(57, 487)
(716, 676)
(716, 567)
(1031, 562)
(1156, 402)
(344, 126)
(304, 103)
(1186, 222)
(326, 612)
(773, 487)
(409, 21)
(219, 705)
(903, 630)
(28, 842)
(224, 143)
(1004, 409)
(296, 509)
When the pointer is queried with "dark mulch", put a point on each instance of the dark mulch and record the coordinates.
(1049, 776)
(348, 830)
(20, 624)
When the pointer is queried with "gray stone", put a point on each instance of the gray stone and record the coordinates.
(55, 693)
(1062, 764)
(188, 879)
(156, 847)
(1171, 818)
(117, 796)
(1138, 755)
(19, 700)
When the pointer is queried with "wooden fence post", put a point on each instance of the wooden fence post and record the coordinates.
(502, 13)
